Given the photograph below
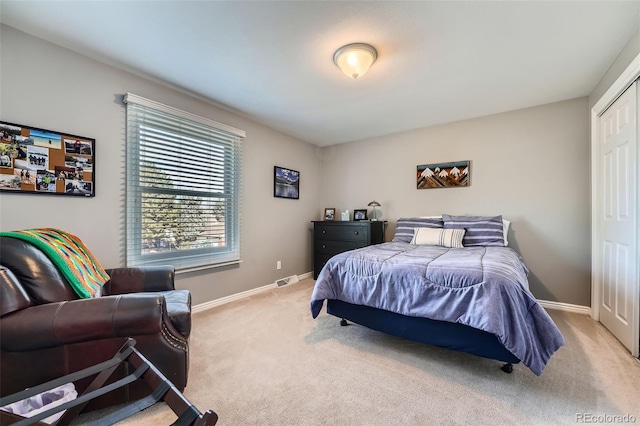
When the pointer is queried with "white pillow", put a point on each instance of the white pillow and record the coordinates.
(505, 230)
(505, 226)
(438, 237)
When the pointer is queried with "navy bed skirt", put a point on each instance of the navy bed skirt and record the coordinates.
(458, 337)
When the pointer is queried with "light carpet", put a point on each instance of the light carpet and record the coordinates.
(263, 360)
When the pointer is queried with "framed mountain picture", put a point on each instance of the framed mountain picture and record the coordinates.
(443, 175)
(286, 183)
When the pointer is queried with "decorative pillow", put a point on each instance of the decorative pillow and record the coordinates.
(505, 227)
(438, 237)
(405, 226)
(505, 230)
(480, 230)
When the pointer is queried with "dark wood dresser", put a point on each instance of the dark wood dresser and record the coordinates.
(333, 237)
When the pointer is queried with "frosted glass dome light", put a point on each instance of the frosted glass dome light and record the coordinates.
(355, 59)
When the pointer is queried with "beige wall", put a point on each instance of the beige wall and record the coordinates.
(44, 85)
(530, 165)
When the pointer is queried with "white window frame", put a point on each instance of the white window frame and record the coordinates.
(220, 135)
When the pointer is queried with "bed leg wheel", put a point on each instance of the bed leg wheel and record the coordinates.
(507, 368)
(343, 322)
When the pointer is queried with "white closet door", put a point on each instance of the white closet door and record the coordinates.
(617, 183)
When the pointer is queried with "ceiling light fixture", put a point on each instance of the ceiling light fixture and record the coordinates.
(355, 59)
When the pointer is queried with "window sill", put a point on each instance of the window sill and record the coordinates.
(204, 267)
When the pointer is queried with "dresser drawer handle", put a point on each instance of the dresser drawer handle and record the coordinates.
(324, 232)
(355, 232)
(324, 246)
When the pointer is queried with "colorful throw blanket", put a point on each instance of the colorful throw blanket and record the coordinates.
(74, 260)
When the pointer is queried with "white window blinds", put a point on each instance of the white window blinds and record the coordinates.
(183, 187)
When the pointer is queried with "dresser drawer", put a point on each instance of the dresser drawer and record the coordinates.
(319, 262)
(342, 232)
(335, 246)
(331, 238)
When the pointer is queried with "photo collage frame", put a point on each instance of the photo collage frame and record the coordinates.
(41, 161)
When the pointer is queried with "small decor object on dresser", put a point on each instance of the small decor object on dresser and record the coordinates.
(443, 175)
(360, 214)
(374, 213)
(41, 161)
(330, 214)
(286, 183)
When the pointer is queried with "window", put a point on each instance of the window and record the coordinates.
(183, 188)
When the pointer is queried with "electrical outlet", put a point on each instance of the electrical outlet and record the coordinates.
(278, 265)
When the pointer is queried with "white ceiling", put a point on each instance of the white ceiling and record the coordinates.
(272, 61)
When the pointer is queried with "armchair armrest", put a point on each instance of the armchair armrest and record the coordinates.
(56, 324)
(141, 279)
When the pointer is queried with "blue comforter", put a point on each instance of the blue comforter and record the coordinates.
(482, 287)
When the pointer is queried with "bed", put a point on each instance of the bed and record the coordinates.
(447, 282)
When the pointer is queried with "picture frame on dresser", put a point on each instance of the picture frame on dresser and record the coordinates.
(360, 214)
(330, 213)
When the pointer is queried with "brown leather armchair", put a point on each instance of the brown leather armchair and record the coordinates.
(46, 331)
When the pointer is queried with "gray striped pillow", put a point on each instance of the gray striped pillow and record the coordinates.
(480, 230)
(439, 237)
(405, 227)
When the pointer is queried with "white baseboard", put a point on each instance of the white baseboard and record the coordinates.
(200, 307)
(567, 307)
(304, 276)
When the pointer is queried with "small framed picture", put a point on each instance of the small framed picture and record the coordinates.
(330, 214)
(286, 183)
(360, 214)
